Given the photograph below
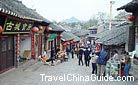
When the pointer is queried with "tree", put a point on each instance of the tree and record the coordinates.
(92, 22)
(101, 17)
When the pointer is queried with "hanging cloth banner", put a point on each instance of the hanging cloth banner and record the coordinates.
(52, 37)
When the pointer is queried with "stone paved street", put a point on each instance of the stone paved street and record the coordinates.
(31, 75)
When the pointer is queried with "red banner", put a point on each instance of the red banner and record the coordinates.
(33, 46)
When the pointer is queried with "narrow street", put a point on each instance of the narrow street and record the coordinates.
(31, 75)
(36, 42)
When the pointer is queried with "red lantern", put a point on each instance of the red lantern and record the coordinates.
(35, 29)
(131, 18)
(47, 36)
(60, 36)
(71, 42)
(68, 43)
(0, 29)
(64, 44)
(40, 27)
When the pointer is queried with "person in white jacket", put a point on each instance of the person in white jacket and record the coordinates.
(94, 65)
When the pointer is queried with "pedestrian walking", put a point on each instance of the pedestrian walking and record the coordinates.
(122, 64)
(87, 57)
(57, 50)
(116, 56)
(52, 56)
(94, 64)
(127, 65)
(67, 52)
(77, 51)
(72, 52)
(102, 60)
(80, 52)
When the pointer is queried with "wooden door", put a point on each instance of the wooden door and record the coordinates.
(6, 52)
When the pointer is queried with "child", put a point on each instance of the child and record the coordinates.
(94, 66)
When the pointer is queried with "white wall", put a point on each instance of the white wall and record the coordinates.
(25, 44)
(126, 47)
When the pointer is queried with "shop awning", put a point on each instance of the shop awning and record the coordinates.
(52, 37)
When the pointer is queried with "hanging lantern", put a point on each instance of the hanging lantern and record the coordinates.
(131, 18)
(50, 28)
(71, 42)
(47, 36)
(68, 43)
(0, 29)
(35, 29)
(64, 44)
(41, 27)
(60, 36)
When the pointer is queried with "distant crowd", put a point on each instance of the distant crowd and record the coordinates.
(102, 63)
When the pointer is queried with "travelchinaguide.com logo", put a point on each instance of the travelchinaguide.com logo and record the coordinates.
(78, 77)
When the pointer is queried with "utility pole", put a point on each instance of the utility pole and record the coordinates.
(110, 23)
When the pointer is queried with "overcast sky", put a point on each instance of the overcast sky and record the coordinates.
(81, 9)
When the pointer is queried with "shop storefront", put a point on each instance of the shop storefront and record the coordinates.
(13, 30)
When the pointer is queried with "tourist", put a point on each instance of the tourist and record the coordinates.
(94, 65)
(80, 56)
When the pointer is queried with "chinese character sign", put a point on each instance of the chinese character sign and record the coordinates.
(17, 26)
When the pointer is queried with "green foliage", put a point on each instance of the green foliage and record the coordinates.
(90, 23)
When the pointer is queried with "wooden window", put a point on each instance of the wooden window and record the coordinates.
(4, 45)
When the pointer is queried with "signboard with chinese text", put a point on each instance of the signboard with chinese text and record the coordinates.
(13, 26)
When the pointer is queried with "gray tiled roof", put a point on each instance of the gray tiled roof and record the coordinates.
(80, 32)
(56, 27)
(66, 36)
(76, 38)
(129, 7)
(69, 36)
(118, 35)
(16, 8)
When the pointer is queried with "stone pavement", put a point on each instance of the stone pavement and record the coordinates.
(31, 75)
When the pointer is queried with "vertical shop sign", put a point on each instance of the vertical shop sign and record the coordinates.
(33, 46)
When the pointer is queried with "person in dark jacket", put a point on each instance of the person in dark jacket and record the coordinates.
(87, 57)
(52, 55)
(102, 60)
(57, 50)
(80, 56)
(67, 51)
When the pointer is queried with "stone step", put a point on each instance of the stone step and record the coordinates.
(28, 64)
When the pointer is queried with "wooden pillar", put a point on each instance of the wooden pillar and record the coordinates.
(40, 44)
(17, 48)
(131, 38)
